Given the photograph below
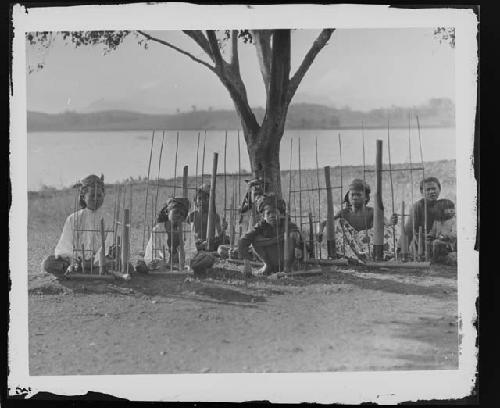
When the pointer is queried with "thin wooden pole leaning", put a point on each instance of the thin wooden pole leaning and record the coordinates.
(211, 206)
(341, 191)
(153, 213)
(125, 240)
(330, 227)
(319, 195)
(378, 210)
(392, 189)
(425, 199)
(225, 189)
(239, 181)
(147, 191)
(304, 254)
(403, 239)
(103, 247)
(364, 187)
(175, 165)
(413, 243)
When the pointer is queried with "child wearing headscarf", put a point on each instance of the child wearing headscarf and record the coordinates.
(267, 236)
(81, 228)
(167, 233)
(354, 228)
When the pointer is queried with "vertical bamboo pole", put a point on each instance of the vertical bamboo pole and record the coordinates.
(392, 189)
(425, 200)
(413, 243)
(319, 195)
(125, 240)
(202, 181)
(147, 191)
(103, 248)
(330, 227)
(83, 258)
(300, 205)
(420, 243)
(153, 212)
(311, 233)
(286, 246)
(341, 191)
(185, 182)
(211, 206)
(378, 210)
(239, 180)
(225, 189)
(403, 238)
(364, 187)
(175, 165)
(197, 155)
(75, 235)
(232, 220)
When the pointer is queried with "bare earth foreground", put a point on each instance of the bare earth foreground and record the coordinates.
(345, 320)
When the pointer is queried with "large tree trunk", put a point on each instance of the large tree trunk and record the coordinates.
(264, 153)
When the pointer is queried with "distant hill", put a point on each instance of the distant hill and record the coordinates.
(439, 112)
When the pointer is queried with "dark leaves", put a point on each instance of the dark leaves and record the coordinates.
(446, 34)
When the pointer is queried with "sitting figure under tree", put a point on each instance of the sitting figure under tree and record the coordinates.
(79, 246)
(167, 235)
(267, 237)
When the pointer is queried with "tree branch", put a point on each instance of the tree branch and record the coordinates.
(235, 61)
(214, 47)
(201, 40)
(263, 47)
(317, 46)
(166, 43)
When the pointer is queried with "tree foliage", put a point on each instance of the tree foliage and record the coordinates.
(445, 34)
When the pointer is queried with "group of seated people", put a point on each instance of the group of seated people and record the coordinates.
(264, 220)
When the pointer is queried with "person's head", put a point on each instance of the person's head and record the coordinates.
(175, 211)
(359, 193)
(430, 187)
(258, 185)
(270, 207)
(202, 196)
(91, 192)
(445, 209)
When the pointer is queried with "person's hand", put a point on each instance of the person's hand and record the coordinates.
(319, 236)
(394, 219)
(224, 224)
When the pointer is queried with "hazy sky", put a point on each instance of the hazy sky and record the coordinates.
(362, 68)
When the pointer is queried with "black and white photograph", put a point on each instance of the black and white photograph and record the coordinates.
(233, 203)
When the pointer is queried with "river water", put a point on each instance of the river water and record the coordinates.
(59, 159)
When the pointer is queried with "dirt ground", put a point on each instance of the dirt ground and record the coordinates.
(344, 320)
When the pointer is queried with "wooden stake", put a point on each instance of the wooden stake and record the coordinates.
(125, 240)
(103, 248)
(341, 191)
(420, 243)
(203, 158)
(83, 258)
(364, 186)
(225, 188)
(319, 192)
(411, 181)
(330, 227)
(185, 182)
(239, 170)
(392, 189)
(286, 245)
(147, 191)
(378, 210)
(175, 165)
(154, 210)
(211, 206)
(403, 239)
(425, 200)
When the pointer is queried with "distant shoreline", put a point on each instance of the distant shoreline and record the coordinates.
(228, 129)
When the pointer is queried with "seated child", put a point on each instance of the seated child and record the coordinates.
(443, 234)
(81, 228)
(354, 228)
(166, 234)
(267, 236)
